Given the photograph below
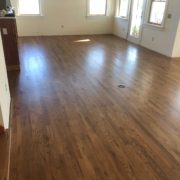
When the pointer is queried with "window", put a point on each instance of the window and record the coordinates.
(29, 7)
(157, 12)
(97, 7)
(123, 9)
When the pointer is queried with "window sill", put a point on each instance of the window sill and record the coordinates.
(158, 27)
(29, 15)
(96, 15)
(123, 18)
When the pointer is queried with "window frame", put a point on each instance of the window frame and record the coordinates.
(94, 15)
(149, 15)
(31, 15)
(119, 7)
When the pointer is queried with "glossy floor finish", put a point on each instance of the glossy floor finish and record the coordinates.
(4, 155)
(71, 121)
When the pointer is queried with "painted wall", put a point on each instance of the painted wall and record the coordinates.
(120, 27)
(159, 40)
(176, 49)
(70, 14)
(4, 90)
(1, 118)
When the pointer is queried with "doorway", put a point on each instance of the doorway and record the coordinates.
(136, 21)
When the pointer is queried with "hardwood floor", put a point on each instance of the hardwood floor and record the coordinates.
(4, 152)
(1, 129)
(71, 120)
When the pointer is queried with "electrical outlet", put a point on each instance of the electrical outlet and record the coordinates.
(153, 39)
(4, 31)
(62, 26)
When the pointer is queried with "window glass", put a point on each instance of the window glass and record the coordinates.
(157, 11)
(29, 7)
(124, 7)
(97, 7)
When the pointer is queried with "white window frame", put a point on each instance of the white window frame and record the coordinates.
(118, 7)
(93, 15)
(31, 15)
(149, 8)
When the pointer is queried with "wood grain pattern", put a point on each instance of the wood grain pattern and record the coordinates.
(71, 120)
(4, 155)
(1, 129)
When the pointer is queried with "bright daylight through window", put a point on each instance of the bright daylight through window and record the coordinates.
(124, 8)
(97, 7)
(157, 11)
(29, 7)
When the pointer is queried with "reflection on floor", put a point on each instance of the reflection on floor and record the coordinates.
(4, 150)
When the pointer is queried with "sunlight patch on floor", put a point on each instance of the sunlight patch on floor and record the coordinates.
(83, 40)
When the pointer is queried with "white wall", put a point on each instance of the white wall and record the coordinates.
(176, 49)
(120, 27)
(69, 13)
(1, 119)
(159, 40)
(4, 91)
(163, 39)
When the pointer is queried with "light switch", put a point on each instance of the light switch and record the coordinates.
(4, 31)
